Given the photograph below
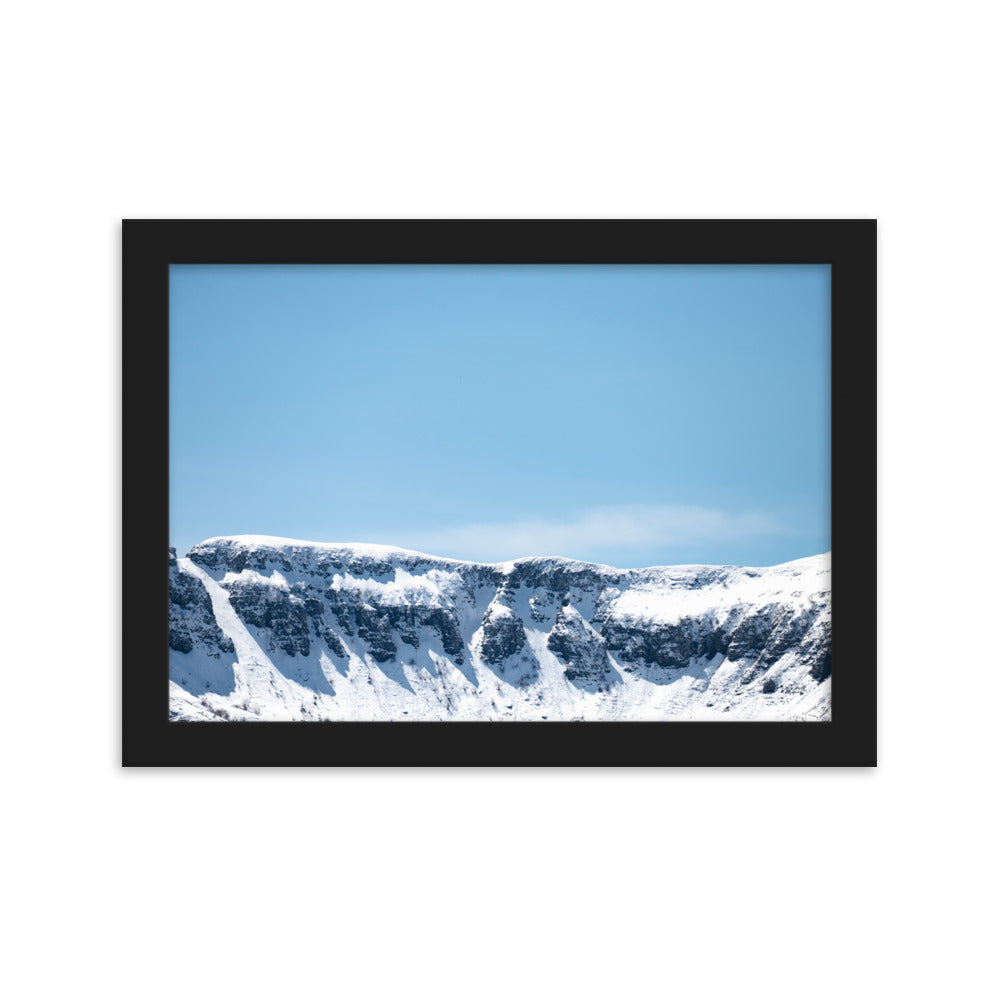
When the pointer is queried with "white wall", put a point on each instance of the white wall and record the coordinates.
(687, 884)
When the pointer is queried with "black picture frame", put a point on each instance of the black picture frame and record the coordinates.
(151, 246)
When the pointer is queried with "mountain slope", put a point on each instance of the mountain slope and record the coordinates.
(269, 628)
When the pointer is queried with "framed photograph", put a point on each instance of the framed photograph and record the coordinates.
(499, 492)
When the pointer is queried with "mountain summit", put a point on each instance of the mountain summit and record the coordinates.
(273, 629)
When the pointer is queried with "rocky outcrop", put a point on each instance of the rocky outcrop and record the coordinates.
(192, 620)
(581, 649)
(639, 644)
(278, 612)
(503, 635)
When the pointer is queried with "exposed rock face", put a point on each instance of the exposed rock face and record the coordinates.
(503, 643)
(192, 621)
(582, 650)
(670, 646)
(503, 634)
(375, 628)
(370, 632)
(280, 611)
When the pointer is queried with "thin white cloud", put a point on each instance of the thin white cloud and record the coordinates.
(624, 529)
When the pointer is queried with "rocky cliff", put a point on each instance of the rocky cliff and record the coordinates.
(266, 628)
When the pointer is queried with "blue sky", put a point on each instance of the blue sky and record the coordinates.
(633, 415)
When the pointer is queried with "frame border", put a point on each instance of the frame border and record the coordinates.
(150, 246)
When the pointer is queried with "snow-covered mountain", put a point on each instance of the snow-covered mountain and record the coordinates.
(269, 628)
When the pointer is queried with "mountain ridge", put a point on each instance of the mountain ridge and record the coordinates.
(373, 548)
(263, 627)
